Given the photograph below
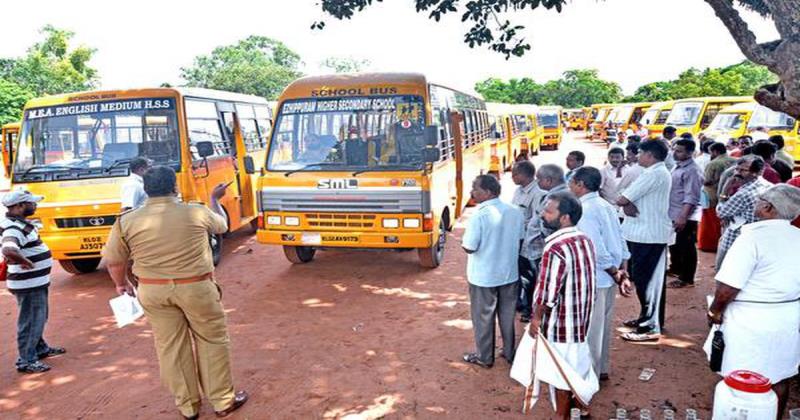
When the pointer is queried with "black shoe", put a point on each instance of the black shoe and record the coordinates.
(52, 351)
(35, 367)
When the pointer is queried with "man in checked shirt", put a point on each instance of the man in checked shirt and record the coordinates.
(564, 296)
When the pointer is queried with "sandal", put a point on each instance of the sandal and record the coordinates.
(640, 337)
(631, 323)
(473, 358)
(35, 367)
(678, 284)
(52, 351)
(239, 398)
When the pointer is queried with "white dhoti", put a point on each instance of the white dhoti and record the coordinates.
(565, 366)
(759, 337)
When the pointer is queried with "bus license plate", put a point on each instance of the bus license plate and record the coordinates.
(92, 243)
(311, 238)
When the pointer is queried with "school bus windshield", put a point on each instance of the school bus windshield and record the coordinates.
(381, 132)
(685, 113)
(726, 121)
(97, 139)
(765, 117)
(548, 120)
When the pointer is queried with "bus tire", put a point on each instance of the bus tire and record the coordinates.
(433, 256)
(215, 242)
(299, 254)
(80, 266)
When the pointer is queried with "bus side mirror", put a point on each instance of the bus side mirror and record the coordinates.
(431, 154)
(249, 165)
(205, 149)
(431, 134)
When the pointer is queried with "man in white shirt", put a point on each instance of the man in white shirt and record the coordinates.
(527, 197)
(612, 174)
(758, 290)
(133, 195)
(648, 228)
(601, 224)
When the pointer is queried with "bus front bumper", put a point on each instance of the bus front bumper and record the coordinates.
(346, 239)
(87, 243)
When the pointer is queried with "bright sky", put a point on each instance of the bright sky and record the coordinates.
(632, 42)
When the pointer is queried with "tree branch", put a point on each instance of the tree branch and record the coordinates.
(740, 32)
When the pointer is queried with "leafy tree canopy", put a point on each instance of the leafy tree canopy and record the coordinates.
(256, 65)
(741, 79)
(575, 88)
(50, 66)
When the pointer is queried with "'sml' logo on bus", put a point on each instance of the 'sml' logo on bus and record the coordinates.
(337, 184)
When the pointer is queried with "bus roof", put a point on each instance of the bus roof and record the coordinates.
(99, 95)
(717, 99)
(304, 86)
(662, 105)
(10, 125)
(740, 108)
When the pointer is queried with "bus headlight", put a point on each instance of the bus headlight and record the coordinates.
(391, 223)
(273, 220)
(291, 221)
(411, 223)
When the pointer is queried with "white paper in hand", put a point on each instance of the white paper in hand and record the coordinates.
(126, 308)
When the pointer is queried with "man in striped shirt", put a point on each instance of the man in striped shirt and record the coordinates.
(29, 263)
(565, 292)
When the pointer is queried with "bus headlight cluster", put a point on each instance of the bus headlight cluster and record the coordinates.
(394, 223)
(288, 220)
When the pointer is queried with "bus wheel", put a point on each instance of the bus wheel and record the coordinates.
(81, 266)
(215, 241)
(299, 254)
(433, 256)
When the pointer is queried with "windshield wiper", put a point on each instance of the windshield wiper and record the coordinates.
(116, 163)
(311, 165)
(409, 166)
(49, 166)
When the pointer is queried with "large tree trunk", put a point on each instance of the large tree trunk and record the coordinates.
(782, 57)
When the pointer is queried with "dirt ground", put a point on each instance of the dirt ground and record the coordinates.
(353, 334)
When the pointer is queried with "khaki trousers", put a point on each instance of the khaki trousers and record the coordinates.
(180, 314)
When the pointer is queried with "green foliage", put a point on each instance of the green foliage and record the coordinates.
(49, 67)
(489, 27)
(256, 65)
(741, 79)
(575, 88)
(12, 99)
(344, 64)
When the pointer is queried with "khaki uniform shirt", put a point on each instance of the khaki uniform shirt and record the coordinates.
(166, 239)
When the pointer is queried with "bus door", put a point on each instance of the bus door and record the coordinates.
(9, 136)
(205, 123)
(237, 169)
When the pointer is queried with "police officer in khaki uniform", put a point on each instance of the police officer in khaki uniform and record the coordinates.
(168, 243)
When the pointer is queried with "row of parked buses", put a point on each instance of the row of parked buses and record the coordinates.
(355, 161)
(719, 118)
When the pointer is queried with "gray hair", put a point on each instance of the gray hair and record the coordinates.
(553, 172)
(784, 198)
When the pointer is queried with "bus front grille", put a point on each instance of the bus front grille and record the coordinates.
(85, 222)
(359, 201)
(340, 220)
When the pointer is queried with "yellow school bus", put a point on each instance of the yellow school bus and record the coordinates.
(374, 161)
(531, 133)
(778, 123)
(9, 133)
(597, 119)
(693, 115)
(629, 115)
(74, 149)
(549, 117)
(655, 118)
(576, 118)
(731, 121)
